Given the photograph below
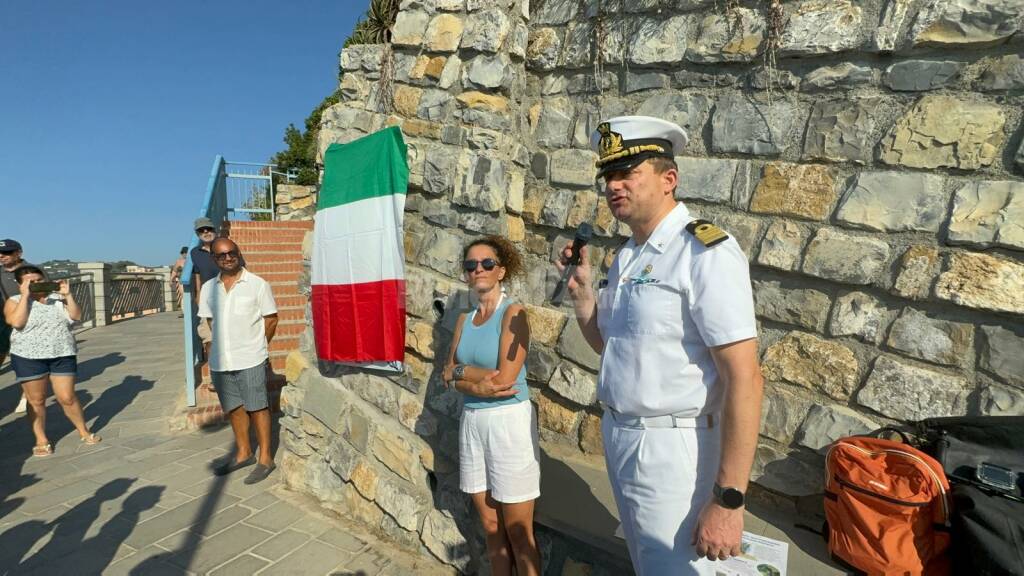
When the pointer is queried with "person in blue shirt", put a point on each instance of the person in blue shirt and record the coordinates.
(499, 456)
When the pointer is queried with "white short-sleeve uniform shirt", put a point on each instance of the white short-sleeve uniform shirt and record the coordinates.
(666, 302)
(239, 337)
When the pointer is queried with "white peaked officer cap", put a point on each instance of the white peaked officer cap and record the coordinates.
(625, 141)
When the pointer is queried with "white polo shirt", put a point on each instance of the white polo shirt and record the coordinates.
(665, 303)
(239, 338)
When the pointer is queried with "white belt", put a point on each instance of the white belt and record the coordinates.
(666, 421)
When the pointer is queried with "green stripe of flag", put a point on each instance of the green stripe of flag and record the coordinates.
(374, 166)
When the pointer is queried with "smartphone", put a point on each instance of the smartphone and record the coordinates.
(997, 477)
(45, 287)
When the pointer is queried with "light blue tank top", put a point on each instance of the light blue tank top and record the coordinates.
(478, 346)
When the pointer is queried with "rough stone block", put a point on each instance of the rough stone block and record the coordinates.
(574, 384)
(556, 208)
(821, 27)
(826, 424)
(920, 75)
(442, 537)
(326, 402)
(486, 30)
(487, 71)
(801, 190)
(365, 478)
(802, 307)
(399, 504)
(862, 316)
(964, 23)
(1002, 353)
(450, 73)
(745, 229)
(584, 205)
(943, 131)
(842, 130)
(543, 49)
(552, 122)
(659, 40)
(984, 282)
(545, 324)
(570, 167)
(377, 391)
(1006, 73)
(555, 12)
(746, 126)
(782, 245)
(409, 27)
(930, 339)
(904, 392)
(782, 412)
(786, 472)
(987, 213)
(439, 169)
(841, 257)
(443, 33)
(483, 181)
(491, 103)
(591, 441)
(918, 268)
(708, 179)
(996, 400)
(736, 37)
(813, 363)
(395, 452)
(441, 253)
(435, 105)
(540, 363)
(556, 414)
(894, 202)
(639, 81)
(576, 50)
(357, 430)
(844, 75)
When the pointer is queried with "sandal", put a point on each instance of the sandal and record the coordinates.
(42, 450)
(91, 439)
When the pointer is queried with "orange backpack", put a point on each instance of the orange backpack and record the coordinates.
(886, 507)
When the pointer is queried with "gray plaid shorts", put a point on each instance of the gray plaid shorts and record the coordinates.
(247, 387)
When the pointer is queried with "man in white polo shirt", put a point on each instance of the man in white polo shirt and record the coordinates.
(241, 310)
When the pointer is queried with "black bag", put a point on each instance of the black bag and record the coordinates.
(988, 523)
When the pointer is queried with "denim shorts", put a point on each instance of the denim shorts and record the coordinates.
(26, 369)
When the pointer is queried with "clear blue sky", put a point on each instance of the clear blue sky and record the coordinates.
(111, 112)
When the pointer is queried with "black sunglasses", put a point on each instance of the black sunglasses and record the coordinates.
(487, 263)
(204, 230)
(223, 255)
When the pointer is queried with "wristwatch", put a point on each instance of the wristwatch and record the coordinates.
(729, 498)
(458, 372)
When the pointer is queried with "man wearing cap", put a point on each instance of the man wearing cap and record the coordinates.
(679, 380)
(204, 269)
(10, 260)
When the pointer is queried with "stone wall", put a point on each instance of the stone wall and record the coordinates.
(294, 202)
(872, 174)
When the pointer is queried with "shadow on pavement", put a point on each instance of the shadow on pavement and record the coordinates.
(115, 399)
(95, 366)
(73, 546)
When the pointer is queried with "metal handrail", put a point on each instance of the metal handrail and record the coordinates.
(81, 286)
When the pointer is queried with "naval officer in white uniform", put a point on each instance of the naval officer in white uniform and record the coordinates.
(679, 379)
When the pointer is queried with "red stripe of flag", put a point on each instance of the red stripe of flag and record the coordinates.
(360, 322)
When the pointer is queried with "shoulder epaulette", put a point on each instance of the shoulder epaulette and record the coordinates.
(707, 233)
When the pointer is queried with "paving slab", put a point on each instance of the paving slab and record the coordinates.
(313, 557)
(245, 565)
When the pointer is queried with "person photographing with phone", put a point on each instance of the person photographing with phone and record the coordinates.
(43, 350)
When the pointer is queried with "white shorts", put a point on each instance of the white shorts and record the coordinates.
(499, 452)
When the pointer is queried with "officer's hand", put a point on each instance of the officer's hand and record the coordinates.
(581, 277)
(718, 532)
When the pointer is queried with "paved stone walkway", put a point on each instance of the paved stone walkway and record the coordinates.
(144, 501)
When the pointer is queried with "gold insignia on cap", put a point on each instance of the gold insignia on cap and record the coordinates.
(611, 142)
(707, 233)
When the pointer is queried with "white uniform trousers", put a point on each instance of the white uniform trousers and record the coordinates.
(661, 478)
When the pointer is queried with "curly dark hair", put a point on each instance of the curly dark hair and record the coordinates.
(507, 254)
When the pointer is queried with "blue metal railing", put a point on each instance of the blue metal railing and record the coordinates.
(215, 207)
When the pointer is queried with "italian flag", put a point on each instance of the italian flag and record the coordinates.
(358, 274)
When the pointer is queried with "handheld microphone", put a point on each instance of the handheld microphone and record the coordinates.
(583, 235)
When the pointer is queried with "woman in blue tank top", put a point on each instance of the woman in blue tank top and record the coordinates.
(499, 457)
